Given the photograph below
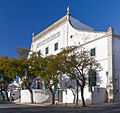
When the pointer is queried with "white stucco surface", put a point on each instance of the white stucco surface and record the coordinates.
(39, 96)
(98, 95)
(116, 59)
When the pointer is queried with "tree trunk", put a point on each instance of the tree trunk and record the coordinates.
(53, 96)
(5, 88)
(30, 90)
(7, 95)
(31, 95)
(74, 94)
(82, 96)
(2, 94)
(77, 94)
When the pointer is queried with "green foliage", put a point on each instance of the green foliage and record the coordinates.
(22, 53)
(28, 66)
(50, 71)
(6, 72)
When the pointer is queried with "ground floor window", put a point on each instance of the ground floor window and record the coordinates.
(46, 87)
(92, 78)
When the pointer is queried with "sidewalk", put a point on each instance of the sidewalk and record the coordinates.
(3, 102)
(104, 104)
(71, 105)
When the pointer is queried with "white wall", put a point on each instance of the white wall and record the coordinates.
(102, 57)
(97, 40)
(79, 36)
(15, 94)
(116, 64)
(68, 96)
(99, 95)
(60, 39)
(39, 96)
(89, 39)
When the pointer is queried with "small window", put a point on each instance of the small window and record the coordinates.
(71, 36)
(46, 50)
(56, 86)
(38, 85)
(56, 46)
(46, 86)
(93, 52)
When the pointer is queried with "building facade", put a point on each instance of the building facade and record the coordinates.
(104, 46)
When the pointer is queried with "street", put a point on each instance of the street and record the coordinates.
(19, 108)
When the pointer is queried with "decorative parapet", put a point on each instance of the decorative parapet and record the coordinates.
(110, 30)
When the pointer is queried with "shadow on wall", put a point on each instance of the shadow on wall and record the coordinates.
(99, 95)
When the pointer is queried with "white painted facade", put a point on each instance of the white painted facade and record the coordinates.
(39, 96)
(68, 31)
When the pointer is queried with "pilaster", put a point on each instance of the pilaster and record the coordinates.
(110, 86)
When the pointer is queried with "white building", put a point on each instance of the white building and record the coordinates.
(105, 46)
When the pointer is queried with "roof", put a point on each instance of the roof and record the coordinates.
(78, 25)
(74, 23)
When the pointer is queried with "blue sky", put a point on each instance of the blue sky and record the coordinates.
(19, 18)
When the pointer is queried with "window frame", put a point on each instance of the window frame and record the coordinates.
(56, 45)
(94, 52)
(46, 50)
(92, 80)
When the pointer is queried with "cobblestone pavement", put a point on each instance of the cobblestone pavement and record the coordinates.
(20, 108)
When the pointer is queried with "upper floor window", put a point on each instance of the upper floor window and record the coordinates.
(56, 46)
(46, 50)
(93, 52)
(71, 36)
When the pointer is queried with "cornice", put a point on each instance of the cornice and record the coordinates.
(50, 28)
(99, 38)
(116, 36)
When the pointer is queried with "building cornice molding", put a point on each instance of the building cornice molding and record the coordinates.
(101, 37)
(50, 28)
(116, 36)
(104, 36)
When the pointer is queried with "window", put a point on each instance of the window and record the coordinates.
(38, 85)
(93, 52)
(56, 86)
(46, 86)
(56, 46)
(46, 50)
(92, 78)
(71, 36)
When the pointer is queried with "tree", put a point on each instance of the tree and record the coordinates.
(50, 74)
(6, 74)
(76, 63)
(27, 67)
